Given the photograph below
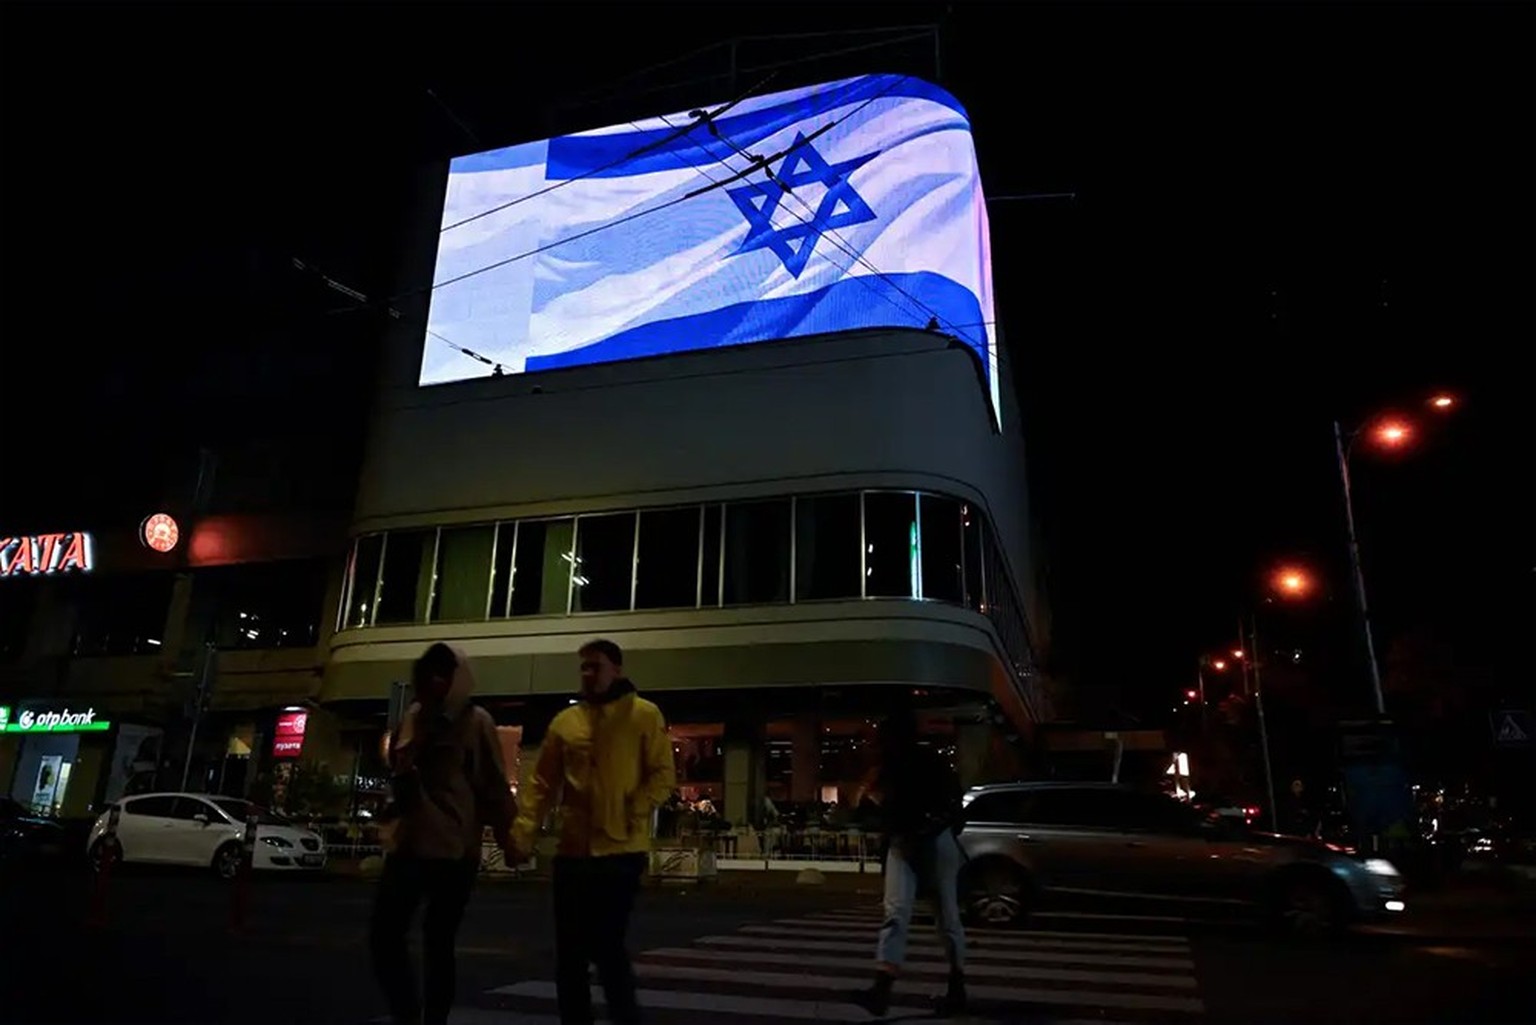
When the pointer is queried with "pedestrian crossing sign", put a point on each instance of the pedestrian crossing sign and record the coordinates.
(1512, 729)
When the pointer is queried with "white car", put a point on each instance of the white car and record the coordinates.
(203, 831)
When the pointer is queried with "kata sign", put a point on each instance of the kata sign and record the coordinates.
(60, 721)
(41, 554)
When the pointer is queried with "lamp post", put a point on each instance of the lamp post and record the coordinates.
(1388, 432)
(1343, 450)
(1251, 643)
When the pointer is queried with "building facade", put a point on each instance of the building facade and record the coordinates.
(163, 659)
(784, 538)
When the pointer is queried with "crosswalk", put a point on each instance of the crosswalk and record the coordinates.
(804, 968)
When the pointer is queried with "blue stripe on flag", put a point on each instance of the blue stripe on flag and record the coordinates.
(577, 156)
(846, 305)
(524, 154)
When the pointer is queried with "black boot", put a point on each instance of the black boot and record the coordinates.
(953, 1001)
(877, 999)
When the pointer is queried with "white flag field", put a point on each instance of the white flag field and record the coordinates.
(851, 205)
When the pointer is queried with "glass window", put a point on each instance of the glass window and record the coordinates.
(158, 807)
(1006, 806)
(757, 552)
(605, 563)
(1088, 808)
(188, 808)
(122, 615)
(709, 590)
(890, 545)
(973, 525)
(541, 576)
(365, 577)
(667, 573)
(501, 575)
(407, 576)
(827, 547)
(943, 578)
(463, 573)
(263, 605)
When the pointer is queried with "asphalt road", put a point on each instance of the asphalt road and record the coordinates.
(736, 954)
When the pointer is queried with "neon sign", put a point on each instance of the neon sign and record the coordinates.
(42, 554)
(159, 532)
(288, 738)
(62, 721)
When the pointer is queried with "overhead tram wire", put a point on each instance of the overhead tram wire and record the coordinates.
(792, 148)
(499, 369)
(923, 310)
(831, 233)
(626, 158)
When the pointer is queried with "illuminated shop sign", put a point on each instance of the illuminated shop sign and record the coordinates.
(61, 720)
(41, 554)
(159, 532)
(288, 738)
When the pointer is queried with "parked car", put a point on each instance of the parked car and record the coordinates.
(1030, 843)
(27, 837)
(203, 831)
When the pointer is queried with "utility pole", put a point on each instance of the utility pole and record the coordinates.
(200, 704)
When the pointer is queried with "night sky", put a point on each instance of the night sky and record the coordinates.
(1283, 214)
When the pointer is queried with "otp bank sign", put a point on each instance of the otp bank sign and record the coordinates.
(50, 721)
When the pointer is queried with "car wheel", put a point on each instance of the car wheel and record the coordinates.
(226, 861)
(996, 896)
(1309, 908)
(99, 854)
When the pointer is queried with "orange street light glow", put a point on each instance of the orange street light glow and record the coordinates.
(1292, 583)
(1442, 402)
(1219, 665)
(1393, 433)
(1237, 652)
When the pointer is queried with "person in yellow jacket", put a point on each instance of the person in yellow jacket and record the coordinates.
(606, 764)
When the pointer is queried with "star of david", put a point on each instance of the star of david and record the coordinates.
(840, 207)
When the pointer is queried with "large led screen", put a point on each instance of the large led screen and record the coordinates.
(851, 205)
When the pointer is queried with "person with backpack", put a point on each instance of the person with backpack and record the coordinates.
(919, 796)
(448, 782)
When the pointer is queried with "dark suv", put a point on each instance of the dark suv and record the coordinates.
(1032, 842)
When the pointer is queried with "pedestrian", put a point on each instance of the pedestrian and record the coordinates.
(448, 782)
(609, 759)
(918, 794)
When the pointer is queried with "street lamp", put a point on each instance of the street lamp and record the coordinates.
(1388, 432)
(1291, 582)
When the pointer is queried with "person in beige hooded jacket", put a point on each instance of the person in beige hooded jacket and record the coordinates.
(449, 783)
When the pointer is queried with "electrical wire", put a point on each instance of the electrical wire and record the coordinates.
(626, 158)
(923, 310)
(830, 233)
(617, 222)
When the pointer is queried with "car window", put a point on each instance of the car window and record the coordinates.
(159, 806)
(238, 809)
(1009, 806)
(1156, 813)
(190, 807)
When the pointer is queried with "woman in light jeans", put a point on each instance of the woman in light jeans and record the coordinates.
(919, 797)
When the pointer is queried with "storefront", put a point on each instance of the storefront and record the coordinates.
(69, 760)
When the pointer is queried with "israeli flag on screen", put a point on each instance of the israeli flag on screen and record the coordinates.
(851, 205)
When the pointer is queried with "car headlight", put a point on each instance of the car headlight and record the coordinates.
(1381, 867)
(276, 841)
